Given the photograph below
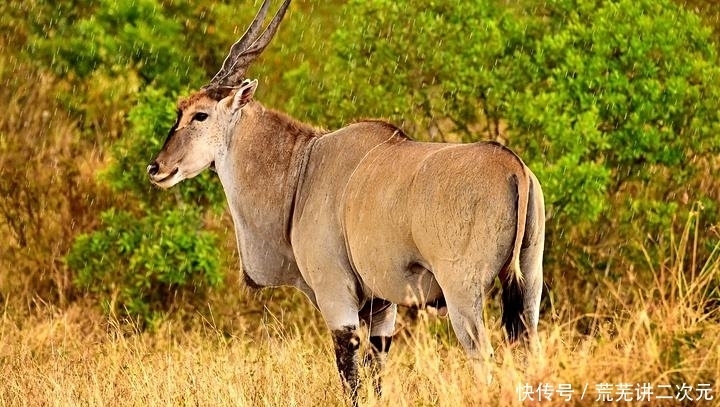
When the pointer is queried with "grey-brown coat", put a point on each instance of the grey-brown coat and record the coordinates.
(364, 218)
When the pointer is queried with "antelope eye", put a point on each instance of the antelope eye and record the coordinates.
(200, 116)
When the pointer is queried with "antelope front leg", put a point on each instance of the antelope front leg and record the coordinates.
(339, 306)
(347, 343)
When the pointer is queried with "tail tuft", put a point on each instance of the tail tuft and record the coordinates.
(512, 293)
(512, 315)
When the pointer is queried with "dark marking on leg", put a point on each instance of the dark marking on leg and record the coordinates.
(373, 307)
(375, 358)
(381, 343)
(347, 343)
(438, 303)
(379, 316)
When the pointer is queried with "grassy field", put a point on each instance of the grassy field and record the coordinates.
(654, 327)
(664, 338)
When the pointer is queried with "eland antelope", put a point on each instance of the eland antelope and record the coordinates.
(363, 219)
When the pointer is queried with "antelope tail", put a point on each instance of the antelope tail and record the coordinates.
(522, 182)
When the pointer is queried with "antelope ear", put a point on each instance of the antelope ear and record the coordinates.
(244, 94)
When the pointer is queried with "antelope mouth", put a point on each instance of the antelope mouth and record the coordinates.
(166, 178)
(172, 174)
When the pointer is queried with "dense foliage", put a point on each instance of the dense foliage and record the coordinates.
(143, 267)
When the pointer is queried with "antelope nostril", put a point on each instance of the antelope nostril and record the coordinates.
(153, 168)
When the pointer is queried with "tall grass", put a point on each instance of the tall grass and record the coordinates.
(662, 336)
(47, 188)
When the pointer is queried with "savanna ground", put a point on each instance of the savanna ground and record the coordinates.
(667, 338)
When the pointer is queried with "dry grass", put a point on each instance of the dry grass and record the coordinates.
(47, 186)
(662, 334)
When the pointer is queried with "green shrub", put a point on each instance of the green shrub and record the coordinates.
(144, 267)
(123, 62)
(611, 91)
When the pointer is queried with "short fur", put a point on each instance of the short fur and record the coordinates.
(366, 213)
(363, 218)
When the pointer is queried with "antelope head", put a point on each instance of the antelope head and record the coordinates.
(206, 118)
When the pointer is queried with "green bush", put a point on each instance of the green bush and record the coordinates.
(414, 63)
(144, 267)
(611, 91)
(129, 61)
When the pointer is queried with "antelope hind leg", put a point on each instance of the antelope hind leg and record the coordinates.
(380, 319)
